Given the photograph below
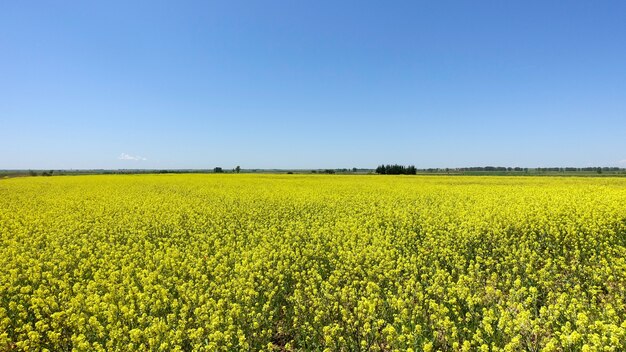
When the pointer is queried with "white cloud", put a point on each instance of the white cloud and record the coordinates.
(125, 156)
(623, 161)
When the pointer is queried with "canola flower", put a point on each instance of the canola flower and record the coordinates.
(315, 263)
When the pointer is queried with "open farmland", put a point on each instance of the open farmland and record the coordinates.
(295, 262)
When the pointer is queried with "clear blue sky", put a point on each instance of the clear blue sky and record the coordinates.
(311, 84)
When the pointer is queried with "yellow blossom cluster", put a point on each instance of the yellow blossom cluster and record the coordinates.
(312, 262)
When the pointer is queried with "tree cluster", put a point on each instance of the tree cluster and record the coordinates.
(574, 169)
(396, 169)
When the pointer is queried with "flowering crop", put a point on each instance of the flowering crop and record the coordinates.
(294, 262)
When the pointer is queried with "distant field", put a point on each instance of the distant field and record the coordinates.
(312, 262)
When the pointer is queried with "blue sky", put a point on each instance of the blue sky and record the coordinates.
(311, 84)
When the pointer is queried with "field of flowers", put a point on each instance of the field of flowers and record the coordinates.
(295, 262)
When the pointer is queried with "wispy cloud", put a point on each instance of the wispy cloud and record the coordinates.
(125, 156)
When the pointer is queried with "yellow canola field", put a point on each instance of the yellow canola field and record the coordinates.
(297, 262)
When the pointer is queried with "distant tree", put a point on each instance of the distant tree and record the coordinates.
(396, 170)
(218, 170)
(329, 171)
(354, 169)
(237, 169)
(32, 173)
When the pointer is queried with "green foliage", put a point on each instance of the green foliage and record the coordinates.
(396, 170)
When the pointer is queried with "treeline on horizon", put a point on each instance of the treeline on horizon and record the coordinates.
(389, 169)
(522, 169)
(396, 169)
